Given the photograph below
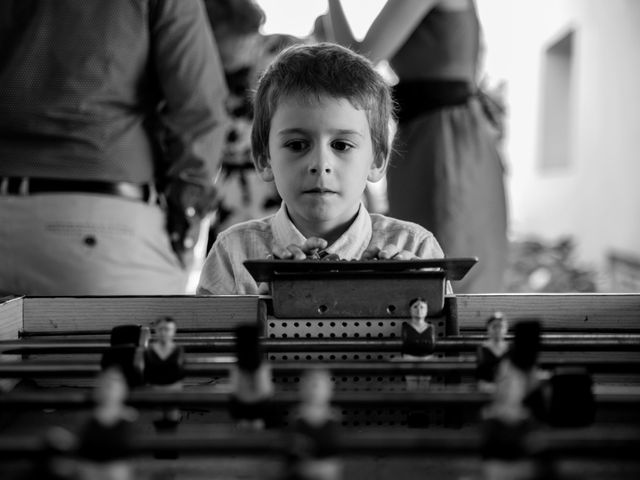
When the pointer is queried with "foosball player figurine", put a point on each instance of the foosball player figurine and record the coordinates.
(251, 381)
(164, 368)
(314, 440)
(128, 344)
(512, 415)
(104, 444)
(418, 340)
(491, 352)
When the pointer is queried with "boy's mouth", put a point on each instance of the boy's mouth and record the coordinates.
(319, 190)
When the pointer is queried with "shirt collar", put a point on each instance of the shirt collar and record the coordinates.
(351, 244)
(284, 231)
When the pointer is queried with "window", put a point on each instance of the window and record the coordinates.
(557, 71)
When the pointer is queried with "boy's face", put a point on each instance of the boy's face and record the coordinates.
(321, 156)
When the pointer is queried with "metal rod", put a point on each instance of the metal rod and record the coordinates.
(106, 332)
(549, 327)
(466, 332)
(194, 367)
(626, 338)
(569, 337)
(211, 400)
(585, 443)
(282, 345)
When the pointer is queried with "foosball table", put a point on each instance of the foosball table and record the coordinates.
(345, 317)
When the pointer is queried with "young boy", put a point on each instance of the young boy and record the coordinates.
(322, 129)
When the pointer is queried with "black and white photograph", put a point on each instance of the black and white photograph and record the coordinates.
(319, 239)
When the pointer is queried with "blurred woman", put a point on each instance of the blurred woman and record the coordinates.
(445, 173)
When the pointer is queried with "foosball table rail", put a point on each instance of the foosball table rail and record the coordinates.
(601, 443)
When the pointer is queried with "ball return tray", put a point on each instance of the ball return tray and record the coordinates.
(357, 288)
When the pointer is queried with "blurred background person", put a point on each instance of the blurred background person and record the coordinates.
(446, 173)
(245, 53)
(112, 122)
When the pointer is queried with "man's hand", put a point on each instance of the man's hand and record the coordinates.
(184, 229)
(388, 252)
(186, 206)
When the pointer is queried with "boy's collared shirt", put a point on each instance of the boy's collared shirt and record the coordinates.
(224, 273)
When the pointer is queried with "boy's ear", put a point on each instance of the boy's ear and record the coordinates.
(378, 168)
(263, 166)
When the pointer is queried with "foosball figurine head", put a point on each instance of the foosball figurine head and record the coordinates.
(497, 327)
(419, 309)
(165, 330)
(316, 387)
(111, 388)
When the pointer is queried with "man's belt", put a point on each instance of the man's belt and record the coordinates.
(32, 186)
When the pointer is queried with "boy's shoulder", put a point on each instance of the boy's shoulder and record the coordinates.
(390, 225)
(405, 235)
(248, 239)
(260, 227)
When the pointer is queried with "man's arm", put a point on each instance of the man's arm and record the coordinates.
(389, 30)
(194, 117)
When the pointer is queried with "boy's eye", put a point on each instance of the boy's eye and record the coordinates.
(341, 145)
(296, 145)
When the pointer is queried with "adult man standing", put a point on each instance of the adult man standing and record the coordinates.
(111, 125)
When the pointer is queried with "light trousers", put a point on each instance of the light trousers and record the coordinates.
(67, 244)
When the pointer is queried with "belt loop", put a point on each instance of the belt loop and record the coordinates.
(153, 194)
(4, 186)
(24, 186)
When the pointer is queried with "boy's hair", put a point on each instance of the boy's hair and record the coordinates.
(311, 72)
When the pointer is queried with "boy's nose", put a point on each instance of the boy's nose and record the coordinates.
(320, 162)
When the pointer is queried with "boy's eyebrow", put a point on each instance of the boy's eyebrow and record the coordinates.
(339, 131)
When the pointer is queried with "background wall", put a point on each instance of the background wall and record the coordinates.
(594, 196)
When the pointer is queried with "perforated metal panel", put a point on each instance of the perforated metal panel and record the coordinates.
(340, 328)
(353, 329)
